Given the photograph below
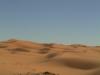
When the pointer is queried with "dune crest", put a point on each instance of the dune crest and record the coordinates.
(20, 56)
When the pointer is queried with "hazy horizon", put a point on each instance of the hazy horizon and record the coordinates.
(51, 21)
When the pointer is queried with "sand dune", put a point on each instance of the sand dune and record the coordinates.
(19, 56)
(96, 72)
(78, 63)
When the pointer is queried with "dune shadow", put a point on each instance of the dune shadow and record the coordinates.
(19, 49)
(78, 63)
(97, 72)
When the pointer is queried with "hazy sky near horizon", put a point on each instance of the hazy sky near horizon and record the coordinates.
(59, 21)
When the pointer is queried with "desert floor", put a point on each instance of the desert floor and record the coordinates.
(18, 56)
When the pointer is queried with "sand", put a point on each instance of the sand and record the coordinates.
(19, 56)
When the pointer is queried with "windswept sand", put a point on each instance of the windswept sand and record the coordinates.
(18, 56)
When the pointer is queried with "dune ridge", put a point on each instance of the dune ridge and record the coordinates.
(20, 56)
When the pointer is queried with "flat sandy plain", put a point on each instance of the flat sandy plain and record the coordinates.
(20, 56)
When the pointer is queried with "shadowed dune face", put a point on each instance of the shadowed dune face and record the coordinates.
(22, 43)
(96, 72)
(51, 55)
(3, 46)
(78, 45)
(48, 45)
(15, 50)
(43, 50)
(78, 63)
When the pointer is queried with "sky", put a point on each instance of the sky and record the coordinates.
(51, 21)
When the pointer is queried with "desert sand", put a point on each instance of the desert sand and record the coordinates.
(19, 56)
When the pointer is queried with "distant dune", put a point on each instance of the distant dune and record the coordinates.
(20, 57)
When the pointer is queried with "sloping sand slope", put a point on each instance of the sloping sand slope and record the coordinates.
(18, 56)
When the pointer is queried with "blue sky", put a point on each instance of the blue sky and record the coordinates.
(58, 21)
